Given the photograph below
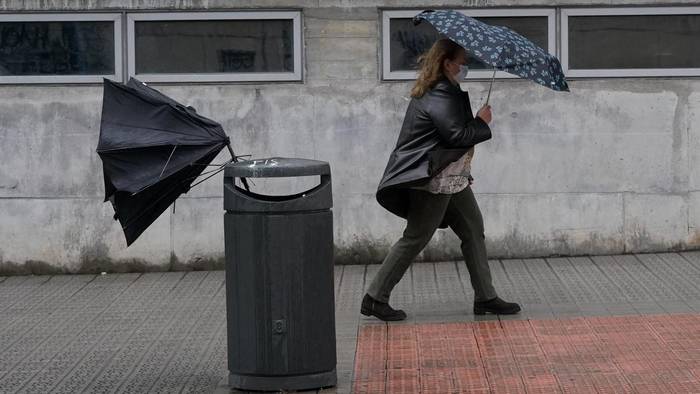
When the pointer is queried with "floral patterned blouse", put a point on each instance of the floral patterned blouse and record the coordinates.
(452, 179)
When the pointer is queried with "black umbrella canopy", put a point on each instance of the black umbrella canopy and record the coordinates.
(152, 149)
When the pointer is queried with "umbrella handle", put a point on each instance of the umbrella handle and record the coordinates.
(230, 150)
(491, 86)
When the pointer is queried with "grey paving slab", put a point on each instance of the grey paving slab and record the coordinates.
(402, 295)
(685, 273)
(668, 277)
(694, 305)
(106, 335)
(675, 307)
(337, 277)
(632, 290)
(352, 286)
(212, 368)
(612, 297)
(522, 283)
(16, 288)
(174, 324)
(348, 301)
(351, 290)
(451, 295)
(24, 357)
(685, 263)
(31, 309)
(554, 290)
(598, 281)
(624, 310)
(425, 287)
(187, 353)
(369, 274)
(464, 280)
(643, 308)
(578, 286)
(531, 295)
(501, 282)
(646, 278)
(693, 258)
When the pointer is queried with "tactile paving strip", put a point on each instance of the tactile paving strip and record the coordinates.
(623, 354)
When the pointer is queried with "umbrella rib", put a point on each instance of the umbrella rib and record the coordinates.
(220, 166)
(210, 171)
(134, 219)
(215, 172)
(146, 187)
(166, 163)
(217, 165)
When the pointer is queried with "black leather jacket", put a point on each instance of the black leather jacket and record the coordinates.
(438, 129)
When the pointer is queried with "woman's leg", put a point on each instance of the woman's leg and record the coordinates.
(464, 217)
(426, 212)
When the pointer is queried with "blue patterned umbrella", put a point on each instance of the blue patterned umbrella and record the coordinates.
(499, 47)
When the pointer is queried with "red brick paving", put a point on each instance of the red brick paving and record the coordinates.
(623, 354)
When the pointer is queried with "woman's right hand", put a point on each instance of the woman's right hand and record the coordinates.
(485, 113)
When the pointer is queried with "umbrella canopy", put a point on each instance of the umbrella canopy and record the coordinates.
(499, 47)
(152, 149)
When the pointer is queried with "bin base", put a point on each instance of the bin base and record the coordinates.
(277, 383)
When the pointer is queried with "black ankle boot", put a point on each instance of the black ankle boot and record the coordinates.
(382, 310)
(497, 306)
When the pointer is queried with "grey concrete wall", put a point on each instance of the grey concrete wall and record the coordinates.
(611, 167)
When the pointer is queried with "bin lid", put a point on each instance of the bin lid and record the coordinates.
(276, 167)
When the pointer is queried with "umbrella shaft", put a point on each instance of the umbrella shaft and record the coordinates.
(491, 86)
(230, 150)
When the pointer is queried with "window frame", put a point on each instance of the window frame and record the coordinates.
(294, 16)
(615, 72)
(387, 15)
(116, 18)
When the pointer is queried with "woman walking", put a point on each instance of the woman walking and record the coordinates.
(427, 181)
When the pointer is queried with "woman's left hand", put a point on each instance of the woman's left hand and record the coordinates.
(485, 113)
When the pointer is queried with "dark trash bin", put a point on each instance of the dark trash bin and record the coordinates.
(279, 279)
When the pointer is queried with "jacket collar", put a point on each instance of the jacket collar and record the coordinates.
(446, 84)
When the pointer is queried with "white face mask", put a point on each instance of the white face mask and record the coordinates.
(463, 70)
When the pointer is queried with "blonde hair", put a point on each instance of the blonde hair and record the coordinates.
(430, 65)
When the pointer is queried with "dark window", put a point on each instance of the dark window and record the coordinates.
(57, 48)
(214, 46)
(408, 42)
(634, 41)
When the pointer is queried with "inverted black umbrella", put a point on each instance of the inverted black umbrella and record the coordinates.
(152, 149)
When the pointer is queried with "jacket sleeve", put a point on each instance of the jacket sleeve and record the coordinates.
(444, 110)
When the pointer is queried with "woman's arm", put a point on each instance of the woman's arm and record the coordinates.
(447, 113)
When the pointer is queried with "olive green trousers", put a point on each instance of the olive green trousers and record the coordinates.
(426, 212)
